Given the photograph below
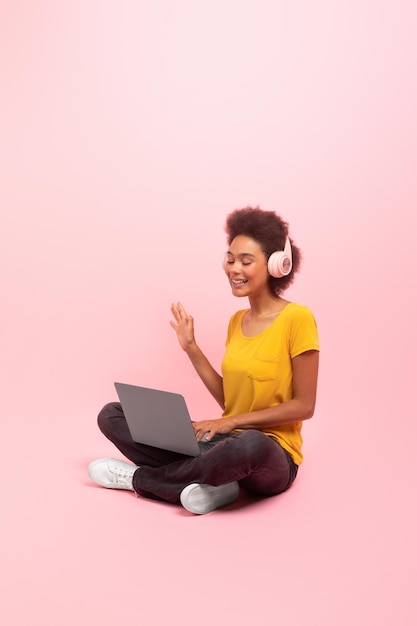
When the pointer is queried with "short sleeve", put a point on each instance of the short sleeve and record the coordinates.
(303, 333)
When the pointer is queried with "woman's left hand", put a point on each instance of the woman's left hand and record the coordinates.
(220, 426)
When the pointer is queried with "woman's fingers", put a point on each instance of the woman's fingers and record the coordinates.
(183, 324)
(206, 427)
(175, 312)
(179, 312)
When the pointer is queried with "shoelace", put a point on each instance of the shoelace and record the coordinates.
(121, 475)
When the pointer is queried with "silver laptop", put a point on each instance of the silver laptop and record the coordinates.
(158, 418)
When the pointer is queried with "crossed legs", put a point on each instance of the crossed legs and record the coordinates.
(255, 461)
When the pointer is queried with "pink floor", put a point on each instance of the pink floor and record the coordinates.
(338, 548)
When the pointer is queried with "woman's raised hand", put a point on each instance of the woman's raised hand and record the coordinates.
(183, 326)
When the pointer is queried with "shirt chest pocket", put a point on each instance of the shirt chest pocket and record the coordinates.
(263, 367)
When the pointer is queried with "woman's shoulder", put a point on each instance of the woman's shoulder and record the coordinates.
(237, 317)
(295, 308)
(298, 313)
(239, 313)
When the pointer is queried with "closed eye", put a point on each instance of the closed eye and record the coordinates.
(230, 262)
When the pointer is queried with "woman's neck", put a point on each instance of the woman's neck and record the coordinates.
(266, 306)
(261, 315)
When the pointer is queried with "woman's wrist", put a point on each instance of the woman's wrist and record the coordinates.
(192, 350)
(233, 421)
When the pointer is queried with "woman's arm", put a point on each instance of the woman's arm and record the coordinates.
(299, 408)
(184, 327)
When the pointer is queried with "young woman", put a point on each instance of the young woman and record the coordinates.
(266, 390)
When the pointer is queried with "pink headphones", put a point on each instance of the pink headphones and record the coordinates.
(280, 263)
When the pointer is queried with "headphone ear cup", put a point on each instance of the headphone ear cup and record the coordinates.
(280, 263)
(275, 264)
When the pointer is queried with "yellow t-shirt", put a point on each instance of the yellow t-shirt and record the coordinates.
(257, 371)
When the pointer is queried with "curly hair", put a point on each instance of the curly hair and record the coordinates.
(270, 231)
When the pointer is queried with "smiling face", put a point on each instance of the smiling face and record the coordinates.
(246, 267)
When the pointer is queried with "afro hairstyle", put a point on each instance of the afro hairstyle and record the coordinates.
(271, 232)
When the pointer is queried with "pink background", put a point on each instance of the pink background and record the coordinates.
(128, 131)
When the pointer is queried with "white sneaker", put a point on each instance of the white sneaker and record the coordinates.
(202, 499)
(112, 473)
